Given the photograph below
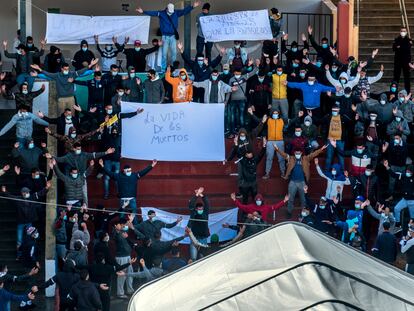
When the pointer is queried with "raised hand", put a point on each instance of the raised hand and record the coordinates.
(310, 29)
(154, 162)
(139, 10)
(303, 37)
(17, 170)
(374, 53)
(233, 196)
(316, 160)
(6, 168)
(5, 44)
(180, 46)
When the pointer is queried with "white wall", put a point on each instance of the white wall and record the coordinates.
(8, 13)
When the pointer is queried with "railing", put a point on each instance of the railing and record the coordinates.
(295, 24)
(404, 16)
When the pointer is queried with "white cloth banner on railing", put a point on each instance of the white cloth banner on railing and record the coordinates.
(71, 29)
(244, 25)
(215, 221)
(174, 132)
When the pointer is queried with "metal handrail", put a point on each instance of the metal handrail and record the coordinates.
(404, 16)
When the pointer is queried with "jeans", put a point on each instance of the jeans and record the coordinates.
(340, 145)
(111, 166)
(231, 117)
(295, 186)
(120, 281)
(22, 142)
(194, 250)
(168, 42)
(21, 228)
(131, 206)
(270, 152)
(238, 111)
(281, 105)
(25, 77)
(402, 204)
(61, 251)
(200, 47)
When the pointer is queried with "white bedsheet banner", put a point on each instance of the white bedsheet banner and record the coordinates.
(243, 25)
(174, 132)
(71, 29)
(215, 221)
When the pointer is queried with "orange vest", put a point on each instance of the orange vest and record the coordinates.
(275, 129)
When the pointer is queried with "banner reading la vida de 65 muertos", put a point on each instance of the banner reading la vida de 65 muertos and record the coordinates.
(71, 29)
(174, 132)
(244, 25)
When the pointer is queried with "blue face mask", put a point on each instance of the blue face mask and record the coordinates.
(214, 78)
(200, 63)
(318, 64)
(137, 49)
(334, 113)
(334, 69)
(31, 146)
(393, 89)
(360, 151)
(114, 73)
(302, 74)
(401, 99)
(226, 72)
(294, 65)
(132, 74)
(128, 173)
(84, 49)
(37, 176)
(279, 73)
(65, 217)
(261, 80)
(249, 68)
(74, 175)
(325, 45)
(294, 50)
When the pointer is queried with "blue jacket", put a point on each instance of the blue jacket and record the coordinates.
(311, 93)
(165, 25)
(6, 297)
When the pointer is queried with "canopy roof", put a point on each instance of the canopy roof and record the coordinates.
(286, 267)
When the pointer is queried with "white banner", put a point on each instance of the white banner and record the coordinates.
(71, 29)
(215, 221)
(244, 25)
(174, 132)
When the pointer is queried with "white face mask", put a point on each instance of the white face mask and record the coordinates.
(297, 156)
(304, 214)
(311, 82)
(383, 102)
(298, 134)
(78, 151)
(25, 92)
(73, 135)
(26, 195)
(403, 34)
(121, 94)
(258, 202)
(307, 123)
(333, 173)
(237, 76)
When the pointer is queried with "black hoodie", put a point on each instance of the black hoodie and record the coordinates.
(81, 57)
(86, 296)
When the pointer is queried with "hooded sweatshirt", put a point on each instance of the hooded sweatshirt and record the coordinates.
(309, 132)
(339, 84)
(182, 90)
(154, 91)
(384, 112)
(264, 209)
(333, 182)
(81, 57)
(400, 127)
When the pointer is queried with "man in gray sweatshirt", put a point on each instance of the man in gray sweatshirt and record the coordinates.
(154, 88)
(64, 84)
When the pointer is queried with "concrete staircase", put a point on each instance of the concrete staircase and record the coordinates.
(380, 22)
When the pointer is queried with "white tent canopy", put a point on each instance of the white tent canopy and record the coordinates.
(287, 267)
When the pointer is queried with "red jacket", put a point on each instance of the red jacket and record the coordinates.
(263, 209)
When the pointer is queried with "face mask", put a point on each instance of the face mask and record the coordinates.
(84, 49)
(137, 49)
(36, 235)
(19, 52)
(132, 74)
(294, 65)
(383, 102)
(37, 176)
(183, 77)
(249, 68)
(31, 146)
(106, 239)
(297, 134)
(200, 63)
(401, 99)
(368, 173)
(325, 45)
(302, 74)
(242, 138)
(121, 94)
(275, 116)
(78, 151)
(226, 72)
(393, 89)
(347, 95)
(261, 80)
(322, 206)
(125, 228)
(68, 118)
(258, 202)
(403, 34)
(279, 73)
(214, 78)
(73, 220)
(114, 73)
(109, 111)
(334, 113)
(357, 206)
(294, 50)
(73, 135)
(343, 81)
(237, 46)
(237, 76)
(360, 151)
(65, 217)
(318, 64)
(108, 47)
(297, 156)
(304, 214)
(29, 45)
(128, 173)
(398, 119)
(396, 141)
(372, 118)
(74, 175)
(65, 72)
(333, 173)
(383, 215)
(26, 195)
(307, 123)
(25, 92)
(200, 212)
(311, 82)
(408, 174)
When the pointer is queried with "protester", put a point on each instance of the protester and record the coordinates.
(83, 57)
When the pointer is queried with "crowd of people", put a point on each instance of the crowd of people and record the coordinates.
(297, 101)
